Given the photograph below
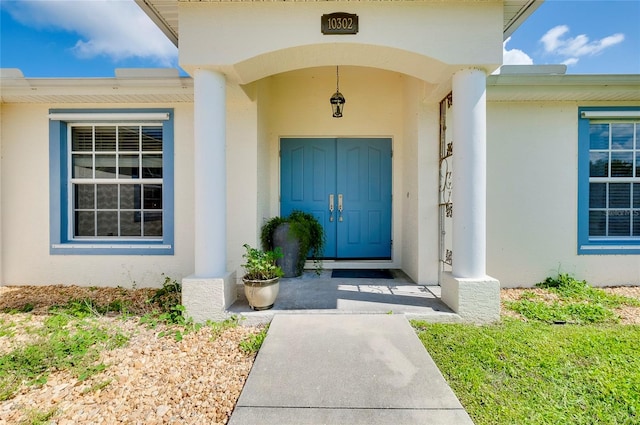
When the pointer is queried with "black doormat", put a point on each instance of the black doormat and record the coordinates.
(362, 273)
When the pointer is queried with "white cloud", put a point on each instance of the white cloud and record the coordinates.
(514, 56)
(570, 61)
(115, 28)
(571, 49)
(551, 39)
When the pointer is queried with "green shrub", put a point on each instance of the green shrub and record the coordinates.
(303, 226)
(252, 344)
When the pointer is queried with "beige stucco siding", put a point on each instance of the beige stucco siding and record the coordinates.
(423, 44)
(25, 209)
(532, 181)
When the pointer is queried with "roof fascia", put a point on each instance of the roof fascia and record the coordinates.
(159, 20)
(523, 14)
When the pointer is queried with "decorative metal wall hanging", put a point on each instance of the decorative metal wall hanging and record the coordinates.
(445, 219)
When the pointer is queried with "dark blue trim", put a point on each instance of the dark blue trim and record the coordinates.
(59, 202)
(585, 244)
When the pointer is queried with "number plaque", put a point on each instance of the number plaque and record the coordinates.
(339, 23)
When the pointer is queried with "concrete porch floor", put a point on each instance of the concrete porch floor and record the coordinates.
(322, 294)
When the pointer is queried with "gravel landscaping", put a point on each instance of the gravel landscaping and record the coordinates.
(153, 379)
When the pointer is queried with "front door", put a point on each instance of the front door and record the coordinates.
(346, 184)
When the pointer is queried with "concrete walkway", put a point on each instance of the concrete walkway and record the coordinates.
(345, 369)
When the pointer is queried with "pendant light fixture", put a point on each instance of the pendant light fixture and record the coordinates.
(337, 100)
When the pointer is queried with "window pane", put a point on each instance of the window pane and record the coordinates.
(117, 208)
(619, 195)
(151, 166)
(621, 136)
(84, 197)
(621, 164)
(82, 166)
(152, 139)
(614, 184)
(107, 223)
(599, 136)
(152, 196)
(105, 166)
(85, 223)
(597, 195)
(82, 139)
(128, 166)
(599, 164)
(619, 223)
(152, 223)
(130, 196)
(130, 224)
(106, 139)
(107, 196)
(129, 138)
(597, 223)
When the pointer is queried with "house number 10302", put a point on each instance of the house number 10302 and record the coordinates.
(339, 23)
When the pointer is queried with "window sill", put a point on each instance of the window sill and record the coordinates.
(111, 249)
(602, 249)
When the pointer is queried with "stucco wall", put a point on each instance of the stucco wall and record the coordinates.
(25, 209)
(414, 38)
(1, 184)
(532, 181)
(419, 195)
(243, 170)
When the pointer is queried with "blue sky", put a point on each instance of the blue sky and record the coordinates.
(83, 38)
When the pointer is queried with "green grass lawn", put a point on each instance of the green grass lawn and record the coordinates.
(535, 372)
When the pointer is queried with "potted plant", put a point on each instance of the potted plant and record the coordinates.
(297, 235)
(262, 277)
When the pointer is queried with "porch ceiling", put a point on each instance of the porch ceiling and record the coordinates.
(164, 13)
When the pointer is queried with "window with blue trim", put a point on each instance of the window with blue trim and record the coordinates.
(609, 181)
(111, 181)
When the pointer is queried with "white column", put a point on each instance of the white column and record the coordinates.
(210, 174)
(469, 173)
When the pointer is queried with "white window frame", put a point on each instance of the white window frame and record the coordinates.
(117, 181)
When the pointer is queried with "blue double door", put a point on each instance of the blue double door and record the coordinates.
(346, 184)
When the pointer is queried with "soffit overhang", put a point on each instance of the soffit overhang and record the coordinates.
(164, 13)
(558, 88)
(15, 88)
(500, 88)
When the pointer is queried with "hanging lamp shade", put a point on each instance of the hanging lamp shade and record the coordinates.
(337, 99)
(337, 104)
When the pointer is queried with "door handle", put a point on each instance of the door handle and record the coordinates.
(340, 207)
(331, 207)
